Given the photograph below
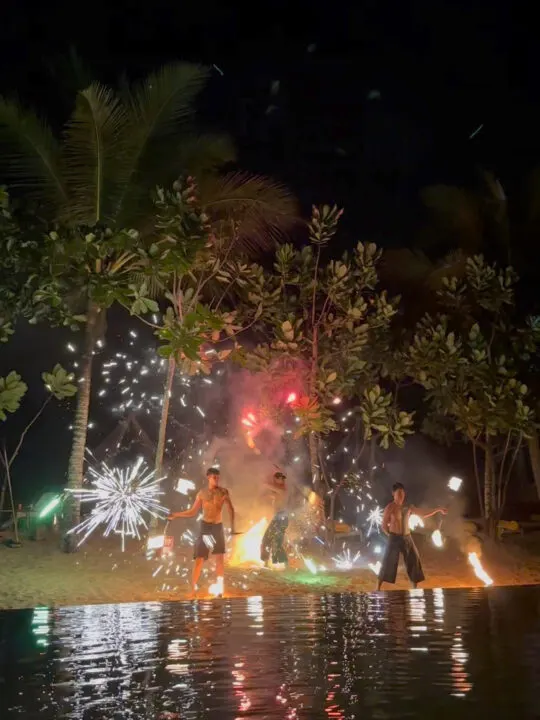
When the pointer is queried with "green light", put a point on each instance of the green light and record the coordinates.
(50, 506)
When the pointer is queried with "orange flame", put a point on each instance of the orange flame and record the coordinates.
(247, 548)
(479, 571)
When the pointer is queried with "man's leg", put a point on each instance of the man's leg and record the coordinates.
(196, 574)
(412, 561)
(390, 561)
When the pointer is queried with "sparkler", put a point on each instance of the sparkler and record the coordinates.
(123, 498)
(455, 483)
(479, 571)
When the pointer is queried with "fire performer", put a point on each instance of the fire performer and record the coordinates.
(272, 545)
(395, 525)
(211, 537)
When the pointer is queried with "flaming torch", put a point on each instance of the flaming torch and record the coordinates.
(479, 571)
(437, 538)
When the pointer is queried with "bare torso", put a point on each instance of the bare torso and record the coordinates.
(212, 504)
(397, 518)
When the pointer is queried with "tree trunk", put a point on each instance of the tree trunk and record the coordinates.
(314, 463)
(534, 455)
(162, 435)
(72, 507)
(489, 488)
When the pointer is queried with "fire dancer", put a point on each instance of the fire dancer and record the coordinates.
(272, 545)
(395, 525)
(211, 537)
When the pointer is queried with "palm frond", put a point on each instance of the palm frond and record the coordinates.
(161, 110)
(263, 209)
(30, 156)
(94, 156)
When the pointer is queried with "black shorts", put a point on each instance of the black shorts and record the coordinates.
(211, 540)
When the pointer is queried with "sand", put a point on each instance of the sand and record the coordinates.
(38, 573)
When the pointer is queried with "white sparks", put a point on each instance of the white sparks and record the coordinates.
(375, 567)
(184, 486)
(375, 518)
(345, 560)
(122, 498)
(455, 483)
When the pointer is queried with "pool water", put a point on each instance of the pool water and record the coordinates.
(423, 654)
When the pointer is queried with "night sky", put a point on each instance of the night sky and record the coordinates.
(360, 105)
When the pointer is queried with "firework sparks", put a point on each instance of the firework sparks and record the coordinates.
(437, 538)
(217, 589)
(479, 571)
(345, 560)
(375, 518)
(455, 483)
(375, 567)
(415, 521)
(308, 562)
(184, 486)
(122, 499)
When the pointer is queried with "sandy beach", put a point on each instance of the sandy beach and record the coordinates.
(38, 573)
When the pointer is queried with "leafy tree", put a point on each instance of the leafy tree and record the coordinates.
(470, 360)
(326, 330)
(97, 180)
(59, 385)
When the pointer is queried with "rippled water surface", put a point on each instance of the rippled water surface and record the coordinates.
(425, 654)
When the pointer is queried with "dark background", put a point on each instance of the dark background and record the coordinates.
(359, 105)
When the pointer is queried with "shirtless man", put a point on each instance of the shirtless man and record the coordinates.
(395, 524)
(211, 536)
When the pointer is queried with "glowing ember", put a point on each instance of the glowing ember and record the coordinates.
(455, 483)
(291, 398)
(308, 562)
(375, 519)
(437, 538)
(247, 548)
(479, 571)
(375, 567)
(184, 486)
(415, 521)
(217, 588)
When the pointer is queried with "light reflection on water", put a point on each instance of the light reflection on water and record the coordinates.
(432, 654)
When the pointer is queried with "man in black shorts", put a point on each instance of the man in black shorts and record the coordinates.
(211, 537)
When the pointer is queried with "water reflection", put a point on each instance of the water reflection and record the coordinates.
(417, 654)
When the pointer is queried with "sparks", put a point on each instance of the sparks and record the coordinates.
(479, 571)
(345, 560)
(437, 538)
(308, 562)
(375, 567)
(217, 588)
(184, 486)
(122, 498)
(247, 548)
(415, 521)
(455, 483)
(375, 519)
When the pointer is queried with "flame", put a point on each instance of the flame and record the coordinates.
(479, 571)
(415, 521)
(247, 422)
(247, 548)
(375, 567)
(437, 538)
(217, 588)
(183, 486)
(291, 398)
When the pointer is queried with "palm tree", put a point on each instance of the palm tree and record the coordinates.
(101, 169)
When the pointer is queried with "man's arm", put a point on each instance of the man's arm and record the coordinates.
(230, 507)
(192, 512)
(385, 524)
(428, 513)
